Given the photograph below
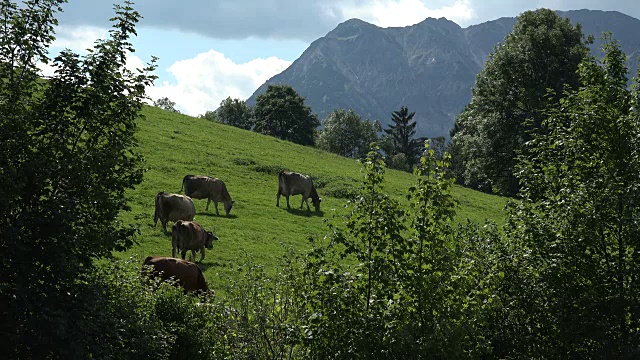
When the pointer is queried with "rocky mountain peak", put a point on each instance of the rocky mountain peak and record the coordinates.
(430, 67)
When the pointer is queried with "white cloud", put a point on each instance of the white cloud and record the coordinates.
(78, 38)
(390, 13)
(202, 82)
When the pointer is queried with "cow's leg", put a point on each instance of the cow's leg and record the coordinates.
(193, 256)
(215, 203)
(164, 225)
(207, 208)
(305, 201)
(288, 207)
(201, 257)
(184, 253)
(278, 199)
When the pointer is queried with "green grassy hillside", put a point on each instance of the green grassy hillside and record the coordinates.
(175, 145)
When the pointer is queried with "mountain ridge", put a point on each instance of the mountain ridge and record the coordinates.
(430, 67)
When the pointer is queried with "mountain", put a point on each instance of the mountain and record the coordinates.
(430, 67)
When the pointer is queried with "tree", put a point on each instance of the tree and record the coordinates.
(281, 112)
(209, 115)
(346, 134)
(576, 235)
(379, 289)
(541, 53)
(166, 104)
(68, 157)
(400, 137)
(235, 112)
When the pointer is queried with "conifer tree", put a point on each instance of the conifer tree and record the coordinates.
(401, 134)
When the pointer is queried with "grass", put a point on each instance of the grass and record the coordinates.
(175, 145)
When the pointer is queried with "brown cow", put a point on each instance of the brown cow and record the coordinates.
(291, 183)
(205, 187)
(172, 207)
(187, 274)
(189, 235)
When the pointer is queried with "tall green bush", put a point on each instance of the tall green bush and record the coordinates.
(68, 156)
(573, 287)
(394, 283)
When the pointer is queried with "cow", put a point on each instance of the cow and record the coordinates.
(205, 187)
(189, 235)
(291, 183)
(187, 274)
(173, 207)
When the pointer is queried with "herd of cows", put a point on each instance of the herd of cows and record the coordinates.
(188, 235)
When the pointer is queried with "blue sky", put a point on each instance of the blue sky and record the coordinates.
(209, 50)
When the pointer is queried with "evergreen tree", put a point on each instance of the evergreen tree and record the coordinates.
(401, 135)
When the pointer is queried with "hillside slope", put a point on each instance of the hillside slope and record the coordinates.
(175, 145)
(429, 67)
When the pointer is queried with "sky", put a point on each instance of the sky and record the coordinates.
(210, 50)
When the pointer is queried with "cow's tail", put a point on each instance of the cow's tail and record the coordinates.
(156, 214)
(184, 179)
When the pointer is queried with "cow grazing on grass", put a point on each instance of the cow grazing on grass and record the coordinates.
(291, 183)
(187, 274)
(205, 187)
(189, 235)
(173, 207)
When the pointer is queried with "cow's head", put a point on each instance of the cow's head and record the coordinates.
(208, 241)
(227, 206)
(316, 202)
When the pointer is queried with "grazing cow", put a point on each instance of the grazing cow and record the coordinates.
(291, 183)
(187, 274)
(205, 187)
(189, 235)
(173, 207)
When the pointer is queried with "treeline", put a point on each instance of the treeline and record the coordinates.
(281, 112)
(389, 281)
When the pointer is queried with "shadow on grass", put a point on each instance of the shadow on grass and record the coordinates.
(206, 265)
(304, 212)
(231, 216)
(159, 229)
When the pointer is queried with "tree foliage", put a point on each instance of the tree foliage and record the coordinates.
(68, 156)
(209, 115)
(542, 52)
(575, 235)
(346, 134)
(235, 112)
(396, 283)
(401, 137)
(166, 104)
(281, 112)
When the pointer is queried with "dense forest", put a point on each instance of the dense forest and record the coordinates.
(391, 280)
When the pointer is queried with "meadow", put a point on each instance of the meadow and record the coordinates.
(175, 145)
